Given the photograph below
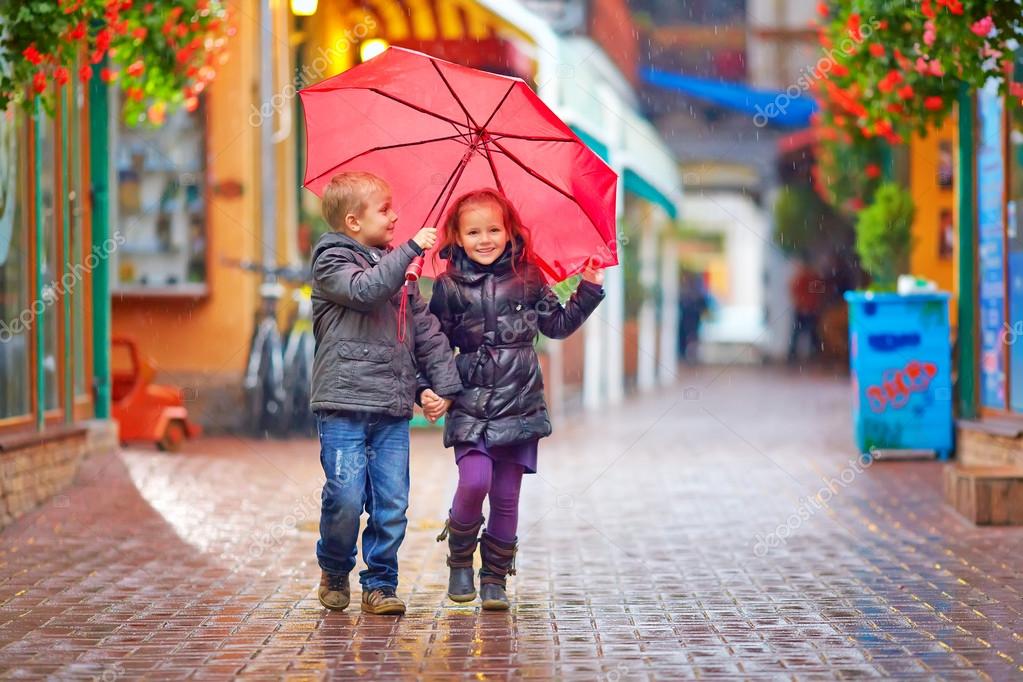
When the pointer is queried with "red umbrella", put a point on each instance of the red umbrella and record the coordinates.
(434, 130)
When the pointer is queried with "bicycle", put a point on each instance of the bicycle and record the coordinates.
(276, 380)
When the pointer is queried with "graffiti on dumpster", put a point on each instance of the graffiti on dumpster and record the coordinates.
(898, 385)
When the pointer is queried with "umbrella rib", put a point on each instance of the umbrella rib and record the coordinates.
(418, 108)
(384, 148)
(531, 138)
(499, 105)
(493, 168)
(471, 122)
(536, 175)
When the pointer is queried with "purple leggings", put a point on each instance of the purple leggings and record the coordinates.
(480, 476)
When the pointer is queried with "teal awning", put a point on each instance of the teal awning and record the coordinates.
(598, 147)
(638, 185)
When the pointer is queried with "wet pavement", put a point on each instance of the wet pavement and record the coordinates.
(721, 529)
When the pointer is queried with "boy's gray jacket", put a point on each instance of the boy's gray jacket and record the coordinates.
(360, 366)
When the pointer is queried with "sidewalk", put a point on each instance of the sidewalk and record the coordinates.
(681, 535)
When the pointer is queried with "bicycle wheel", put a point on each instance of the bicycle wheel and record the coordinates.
(253, 385)
(271, 378)
(298, 382)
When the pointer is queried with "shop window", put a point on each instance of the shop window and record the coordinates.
(15, 310)
(161, 207)
(1014, 244)
(49, 273)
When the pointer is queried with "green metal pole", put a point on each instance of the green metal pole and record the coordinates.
(99, 165)
(967, 330)
(69, 385)
(39, 322)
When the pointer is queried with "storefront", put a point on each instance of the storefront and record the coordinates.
(47, 263)
(991, 317)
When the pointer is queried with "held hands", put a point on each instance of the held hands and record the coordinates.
(434, 406)
(426, 237)
(594, 276)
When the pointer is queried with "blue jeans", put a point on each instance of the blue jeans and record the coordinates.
(365, 461)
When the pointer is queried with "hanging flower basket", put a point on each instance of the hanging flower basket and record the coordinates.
(890, 68)
(161, 54)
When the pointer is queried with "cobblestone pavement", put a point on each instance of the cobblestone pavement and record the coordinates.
(721, 529)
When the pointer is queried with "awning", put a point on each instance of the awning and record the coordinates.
(768, 107)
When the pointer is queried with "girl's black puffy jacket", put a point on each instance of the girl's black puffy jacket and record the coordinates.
(491, 314)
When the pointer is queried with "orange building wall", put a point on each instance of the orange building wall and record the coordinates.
(930, 201)
(211, 335)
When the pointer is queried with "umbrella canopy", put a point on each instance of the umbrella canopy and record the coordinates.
(435, 130)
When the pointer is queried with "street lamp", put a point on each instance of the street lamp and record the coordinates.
(372, 47)
(303, 8)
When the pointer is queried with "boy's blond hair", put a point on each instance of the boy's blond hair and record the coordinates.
(347, 193)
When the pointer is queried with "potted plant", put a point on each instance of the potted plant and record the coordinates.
(884, 235)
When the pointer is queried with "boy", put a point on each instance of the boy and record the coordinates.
(364, 384)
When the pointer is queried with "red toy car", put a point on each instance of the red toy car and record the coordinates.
(146, 411)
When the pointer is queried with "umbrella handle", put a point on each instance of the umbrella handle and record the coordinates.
(414, 270)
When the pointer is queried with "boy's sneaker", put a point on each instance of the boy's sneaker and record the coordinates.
(382, 602)
(335, 592)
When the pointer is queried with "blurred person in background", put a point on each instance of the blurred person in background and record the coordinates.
(807, 290)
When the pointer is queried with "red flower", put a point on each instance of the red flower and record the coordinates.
(139, 33)
(136, 94)
(147, 8)
(85, 73)
(39, 82)
(854, 27)
(839, 70)
(103, 40)
(883, 25)
(32, 55)
(888, 83)
(906, 92)
(954, 6)
(896, 108)
(136, 69)
(934, 103)
(927, 10)
(72, 5)
(106, 75)
(97, 56)
(877, 50)
(822, 9)
(872, 170)
(61, 75)
(983, 27)
(78, 32)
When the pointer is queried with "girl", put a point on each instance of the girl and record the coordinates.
(491, 302)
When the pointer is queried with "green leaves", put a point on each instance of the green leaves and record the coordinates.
(884, 235)
(162, 54)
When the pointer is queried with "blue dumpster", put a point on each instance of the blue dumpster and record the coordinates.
(901, 364)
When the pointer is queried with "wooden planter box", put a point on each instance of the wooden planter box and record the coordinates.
(990, 496)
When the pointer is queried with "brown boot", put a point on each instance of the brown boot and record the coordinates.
(335, 592)
(498, 563)
(462, 541)
(382, 602)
